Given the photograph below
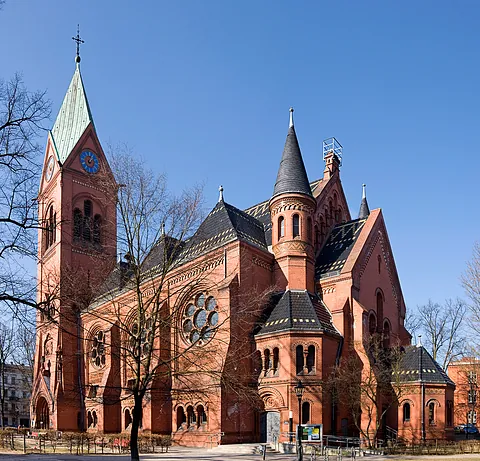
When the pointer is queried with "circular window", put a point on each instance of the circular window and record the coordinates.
(144, 336)
(200, 319)
(97, 353)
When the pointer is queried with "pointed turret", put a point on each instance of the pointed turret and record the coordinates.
(292, 176)
(73, 118)
(292, 208)
(364, 210)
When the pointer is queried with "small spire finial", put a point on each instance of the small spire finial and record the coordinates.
(291, 117)
(419, 342)
(220, 197)
(78, 40)
(163, 229)
(364, 191)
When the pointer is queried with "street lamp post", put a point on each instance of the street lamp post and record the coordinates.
(472, 400)
(299, 390)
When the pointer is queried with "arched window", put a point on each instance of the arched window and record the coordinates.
(281, 227)
(386, 334)
(275, 360)
(372, 323)
(77, 224)
(406, 412)
(191, 417)
(128, 418)
(201, 415)
(296, 225)
(257, 363)
(379, 310)
(299, 359)
(305, 412)
(89, 419)
(181, 418)
(50, 227)
(87, 220)
(97, 225)
(431, 413)
(95, 419)
(309, 229)
(449, 413)
(311, 359)
(268, 361)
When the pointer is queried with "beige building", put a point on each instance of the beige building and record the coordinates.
(17, 385)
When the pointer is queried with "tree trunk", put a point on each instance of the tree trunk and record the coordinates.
(136, 420)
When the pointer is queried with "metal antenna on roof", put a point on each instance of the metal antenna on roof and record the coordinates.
(291, 117)
(220, 197)
(78, 40)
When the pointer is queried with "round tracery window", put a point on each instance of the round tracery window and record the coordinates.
(200, 319)
(145, 335)
(97, 353)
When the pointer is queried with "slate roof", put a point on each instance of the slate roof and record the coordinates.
(292, 176)
(298, 310)
(224, 224)
(429, 371)
(72, 119)
(336, 250)
(364, 210)
(261, 212)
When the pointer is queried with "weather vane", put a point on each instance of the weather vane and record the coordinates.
(78, 40)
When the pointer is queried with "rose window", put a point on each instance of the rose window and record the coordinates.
(98, 349)
(144, 335)
(200, 319)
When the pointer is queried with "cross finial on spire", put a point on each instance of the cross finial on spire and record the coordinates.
(78, 40)
(220, 197)
(291, 117)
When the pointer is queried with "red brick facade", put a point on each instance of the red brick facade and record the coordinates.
(73, 390)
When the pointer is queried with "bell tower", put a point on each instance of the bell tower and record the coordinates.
(292, 209)
(76, 251)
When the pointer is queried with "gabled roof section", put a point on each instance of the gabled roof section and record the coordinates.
(335, 252)
(261, 212)
(72, 119)
(298, 310)
(292, 176)
(224, 224)
(418, 365)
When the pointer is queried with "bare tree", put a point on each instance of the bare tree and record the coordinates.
(368, 384)
(152, 229)
(443, 329)
(471, 283)
(22, 114)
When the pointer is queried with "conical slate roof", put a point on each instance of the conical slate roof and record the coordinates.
(364, 210)
(292, 176)
(73, 118)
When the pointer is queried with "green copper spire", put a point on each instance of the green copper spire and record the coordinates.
(73, 118)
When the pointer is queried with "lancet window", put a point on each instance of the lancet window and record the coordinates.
(86, 226)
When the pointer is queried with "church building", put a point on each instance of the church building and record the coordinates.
(332, 280)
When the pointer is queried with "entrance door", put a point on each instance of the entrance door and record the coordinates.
(42, 416)
(269, 426)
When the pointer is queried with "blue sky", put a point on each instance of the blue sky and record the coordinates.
(201, 90)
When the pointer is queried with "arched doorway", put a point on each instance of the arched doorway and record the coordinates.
(42, 414)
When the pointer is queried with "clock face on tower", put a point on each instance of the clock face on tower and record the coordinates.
(89, 161)
(49, 169)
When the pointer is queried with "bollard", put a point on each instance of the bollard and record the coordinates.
(264, 451)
